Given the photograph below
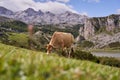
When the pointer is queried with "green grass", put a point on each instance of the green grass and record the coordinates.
(19, 39)
(22, 64)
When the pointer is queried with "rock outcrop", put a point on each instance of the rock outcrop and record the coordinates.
(102, 40)
(101, 30)
(97, 25)
(39, 40)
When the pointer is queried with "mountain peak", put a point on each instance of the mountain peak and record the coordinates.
(49, 13)
(3, 8)
(29, 10)
(5, 11)
(40, 12)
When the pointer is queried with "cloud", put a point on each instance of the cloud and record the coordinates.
(63, 1)
(92, 1)
(118, 11)
(49, 5)
(84, 13)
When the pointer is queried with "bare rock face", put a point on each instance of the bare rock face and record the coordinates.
(87, 30)
(101, 30)
(103, 39)
(93, 26)
(39, 40)
(111, 24)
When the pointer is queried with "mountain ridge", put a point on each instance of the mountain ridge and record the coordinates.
(38, 17)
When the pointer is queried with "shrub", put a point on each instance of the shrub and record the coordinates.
(78, 54)
(114, 44)
(15, 39)
(109, 61)
(86, 44)
(17, 26)
(84, 55)
(4, 38)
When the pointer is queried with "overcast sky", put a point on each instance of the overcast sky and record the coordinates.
(90, 8)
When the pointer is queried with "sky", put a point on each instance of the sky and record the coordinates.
(91, 8)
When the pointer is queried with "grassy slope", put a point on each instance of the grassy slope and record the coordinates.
(19, 39)
(22, 64)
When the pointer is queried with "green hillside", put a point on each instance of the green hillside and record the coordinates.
(22, 64)
(13, 25)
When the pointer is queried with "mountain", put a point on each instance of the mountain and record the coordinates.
(38, 17)
(5, 12)
(101, 30)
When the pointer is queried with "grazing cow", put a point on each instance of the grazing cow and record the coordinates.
(60, 40)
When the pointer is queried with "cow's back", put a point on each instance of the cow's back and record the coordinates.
(68, 39)
(59, 37)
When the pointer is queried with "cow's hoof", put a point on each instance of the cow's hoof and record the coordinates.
(47, 53)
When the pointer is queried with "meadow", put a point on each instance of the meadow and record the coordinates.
(23, 64)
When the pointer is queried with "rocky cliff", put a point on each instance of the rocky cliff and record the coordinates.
(97, 25)
(102, 40)
(101, 30)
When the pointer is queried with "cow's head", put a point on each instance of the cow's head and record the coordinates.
(49, 48)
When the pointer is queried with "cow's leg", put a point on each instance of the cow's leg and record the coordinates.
(70, 51)
(62, 45)
(67, 51)
(48, 52)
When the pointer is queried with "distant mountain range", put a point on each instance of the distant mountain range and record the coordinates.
(38, 17)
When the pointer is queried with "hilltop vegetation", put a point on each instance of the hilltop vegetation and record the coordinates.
(14, 26)
(50, 29)
(15, 39)
(17, 63)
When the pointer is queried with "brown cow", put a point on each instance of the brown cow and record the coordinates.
(60, 40)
